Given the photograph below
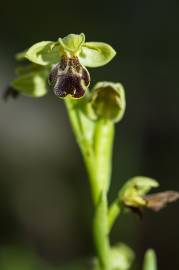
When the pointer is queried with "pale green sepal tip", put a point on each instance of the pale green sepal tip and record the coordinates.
(150, 260)
(96, 54)
(72, 42)
(20, 56)
(44, 53)
(144, 184)
(32, 84)
(141, 183)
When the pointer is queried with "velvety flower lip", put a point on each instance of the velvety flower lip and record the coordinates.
(69, 77)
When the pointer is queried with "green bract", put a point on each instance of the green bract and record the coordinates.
(108, 101)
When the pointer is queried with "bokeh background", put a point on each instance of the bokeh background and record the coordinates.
(45, 206)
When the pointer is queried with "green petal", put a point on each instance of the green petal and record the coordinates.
(44, 53)
(72, 42)
(96, 54)
(32, 84)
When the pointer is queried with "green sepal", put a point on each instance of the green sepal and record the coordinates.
(72, 42)
(108, 101)
(21, 56)
(96, 54)
(26, 69)
(133, 191)
(44, 53)
(31, 84)
(150, 260)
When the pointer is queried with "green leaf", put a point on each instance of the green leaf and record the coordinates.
(72, 42)
(150, 260)
(32, 84)
(96, 54)
(44, 53)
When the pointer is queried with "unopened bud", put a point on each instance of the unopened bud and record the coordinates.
(108, 101)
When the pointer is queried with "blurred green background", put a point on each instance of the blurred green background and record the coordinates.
(45, 204)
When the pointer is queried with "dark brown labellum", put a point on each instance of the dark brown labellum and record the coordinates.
(69, 77)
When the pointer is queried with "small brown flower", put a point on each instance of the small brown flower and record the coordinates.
(69, 77)
(159, 200)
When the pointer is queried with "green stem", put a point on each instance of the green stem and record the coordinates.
(100, 232)
(84, 141)
(113, 213)
(74, 120)
(95, 140)
(103, 142)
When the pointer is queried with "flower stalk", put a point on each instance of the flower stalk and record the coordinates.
(93, 115)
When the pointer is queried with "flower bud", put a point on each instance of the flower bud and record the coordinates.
(108, 101)
(121, 257)
(69, 77)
